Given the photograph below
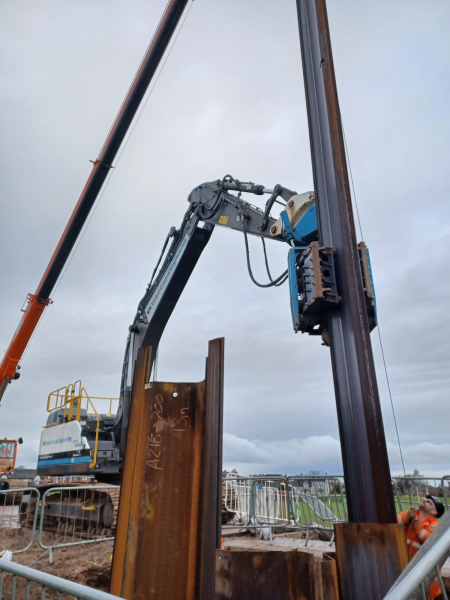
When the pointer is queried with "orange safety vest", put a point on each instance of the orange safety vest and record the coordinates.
(416, 534)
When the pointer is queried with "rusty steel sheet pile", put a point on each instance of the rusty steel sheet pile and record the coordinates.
(274, 575)
(360, 546)
(168, 523)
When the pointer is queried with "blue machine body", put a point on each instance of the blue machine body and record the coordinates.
(371, 281)
(305, 231)
(299, 237)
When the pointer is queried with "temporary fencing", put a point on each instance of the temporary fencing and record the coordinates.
(78, 515)
(62, 516)
(410, 491)
(313, 501)
(299, 502)
(18, 515)
(68, 515)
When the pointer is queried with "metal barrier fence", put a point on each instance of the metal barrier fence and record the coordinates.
(19, 582)
(69, 515)
(312, 501)
(300, 502)
(18, 516)
(410, 491)
(78, 515)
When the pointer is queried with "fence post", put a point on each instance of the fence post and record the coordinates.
(445, 478)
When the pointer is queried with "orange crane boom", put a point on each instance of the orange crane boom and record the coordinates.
(10, 363)
(37, 302)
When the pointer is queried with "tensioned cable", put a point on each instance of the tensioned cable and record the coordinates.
(122, 149)
(378, 326)
(134, 79)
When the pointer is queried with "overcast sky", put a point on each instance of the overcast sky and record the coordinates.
(230, 99)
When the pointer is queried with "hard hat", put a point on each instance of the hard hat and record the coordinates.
(437, 505)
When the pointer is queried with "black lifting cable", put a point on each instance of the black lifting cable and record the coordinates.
(274, 282)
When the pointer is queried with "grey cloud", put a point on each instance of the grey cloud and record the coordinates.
(321, 453)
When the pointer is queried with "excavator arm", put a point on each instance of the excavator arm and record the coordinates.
(210, 204)
(312, 284)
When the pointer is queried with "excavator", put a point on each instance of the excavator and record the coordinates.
(77, 440)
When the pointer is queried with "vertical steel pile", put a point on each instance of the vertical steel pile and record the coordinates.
(168, 523)
(366, 466)
(368, 557)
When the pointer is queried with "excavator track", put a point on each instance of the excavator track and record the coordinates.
(82, 509)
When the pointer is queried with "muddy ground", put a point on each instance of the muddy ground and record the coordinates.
(88, 564)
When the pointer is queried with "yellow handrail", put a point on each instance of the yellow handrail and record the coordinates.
(70, 398)
(93, 458)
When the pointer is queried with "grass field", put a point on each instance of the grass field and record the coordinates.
(320, 509)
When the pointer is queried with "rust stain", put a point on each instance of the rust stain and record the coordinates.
(266, 576)
(120, 544)
(370, 557)
(167, 478)
(162, 538)
(257, 560)
(329, 580)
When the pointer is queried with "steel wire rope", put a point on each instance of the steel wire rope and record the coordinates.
(117, 162)
(378, 326)
(134, 78)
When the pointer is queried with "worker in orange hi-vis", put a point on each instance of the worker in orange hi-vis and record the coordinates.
(419, 525)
